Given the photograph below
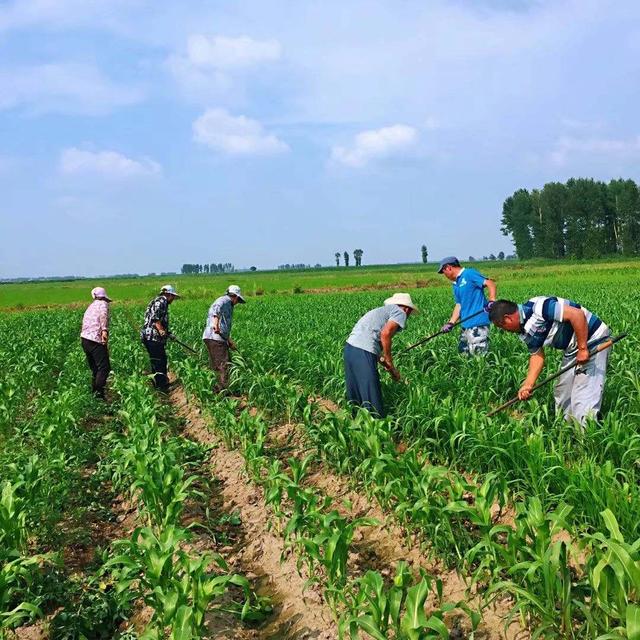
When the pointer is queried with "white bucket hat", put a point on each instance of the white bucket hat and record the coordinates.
(100, 292)
(404, 299)
(168, 288)
(235, 290)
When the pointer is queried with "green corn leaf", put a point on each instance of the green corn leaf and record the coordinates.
(415, 617)
(633, 622)
(182, 628)
(367, 625)
(612, 525)
(438, 626)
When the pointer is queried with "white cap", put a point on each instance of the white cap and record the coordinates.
(403, 299)
(168, 288)
(234, 289)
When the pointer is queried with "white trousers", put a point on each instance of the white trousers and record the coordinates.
(578, 392)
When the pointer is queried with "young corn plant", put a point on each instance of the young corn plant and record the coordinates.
(180, 588)
(399, 611)
(613, 568)
(19, 569)
(329, 548)
(546, 588)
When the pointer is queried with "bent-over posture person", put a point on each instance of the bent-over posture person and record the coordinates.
(468, 293)
(217, 334)
(371, 336)
(94, 337)
(155, 333)
(562, 324)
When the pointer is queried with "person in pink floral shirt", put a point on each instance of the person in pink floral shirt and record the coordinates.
(95, 338)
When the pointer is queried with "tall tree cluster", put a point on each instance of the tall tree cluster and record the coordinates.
(583, 218)
(227, 267)
(357, 257)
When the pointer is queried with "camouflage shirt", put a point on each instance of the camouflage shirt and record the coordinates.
(157, 311)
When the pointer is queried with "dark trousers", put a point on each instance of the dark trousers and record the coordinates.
(158, 357)
(219, 362)
(98, 361)
(362, 379)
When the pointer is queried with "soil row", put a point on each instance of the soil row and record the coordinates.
(301, 613)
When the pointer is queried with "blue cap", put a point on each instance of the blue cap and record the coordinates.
(448, 260)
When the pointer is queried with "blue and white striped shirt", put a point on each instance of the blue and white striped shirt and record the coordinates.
(542, 325)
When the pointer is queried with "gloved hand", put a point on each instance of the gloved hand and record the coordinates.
(447, 327)
(171, 336)
(487, 307)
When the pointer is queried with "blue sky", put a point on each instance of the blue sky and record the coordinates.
(136, 135)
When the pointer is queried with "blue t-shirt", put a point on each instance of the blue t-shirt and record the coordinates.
(366, 333)
(468, 292)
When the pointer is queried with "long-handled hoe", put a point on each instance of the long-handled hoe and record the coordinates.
(597, 349)
(183, 345)
(439, 333)
(133, 326)
(433, 335)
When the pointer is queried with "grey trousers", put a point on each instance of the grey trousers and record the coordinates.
(362, 379)
(578, 392)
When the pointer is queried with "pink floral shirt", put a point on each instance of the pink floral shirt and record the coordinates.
(95, 321)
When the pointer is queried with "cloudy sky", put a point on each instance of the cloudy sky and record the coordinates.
(136, 135)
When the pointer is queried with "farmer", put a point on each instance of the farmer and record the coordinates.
(94, 337)
(155, 333)
(372, 335)
(468, 292)
(562, 324)
(217, 334)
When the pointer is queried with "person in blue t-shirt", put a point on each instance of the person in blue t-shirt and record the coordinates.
(468, 292)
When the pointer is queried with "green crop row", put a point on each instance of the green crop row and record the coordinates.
(320, 537)
(526, 560)
(62, 452)
(154, 566)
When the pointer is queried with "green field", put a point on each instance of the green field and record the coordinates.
(411, 276)
(429, 524)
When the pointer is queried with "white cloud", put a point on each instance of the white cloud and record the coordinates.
(594, 148)
(235, 135)
(69, 88)
(202, 85)
(213, 68)
(376, 144)
(109, 164)
(220, 52)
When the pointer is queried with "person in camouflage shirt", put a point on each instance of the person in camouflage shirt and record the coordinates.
(155, 333)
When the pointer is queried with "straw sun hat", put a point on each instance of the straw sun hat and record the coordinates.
(403, 299)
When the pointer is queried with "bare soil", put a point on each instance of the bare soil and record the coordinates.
(381, 547)
(299, 613)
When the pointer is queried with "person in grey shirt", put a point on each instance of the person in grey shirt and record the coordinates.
(217, 334)
(370, 337)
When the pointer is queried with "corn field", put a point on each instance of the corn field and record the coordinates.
(538, 519)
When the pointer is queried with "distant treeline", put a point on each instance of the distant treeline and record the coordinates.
(227, 267)
(297, 267)
(583, 218)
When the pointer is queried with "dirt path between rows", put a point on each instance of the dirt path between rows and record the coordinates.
(299, 614)
(382, 547)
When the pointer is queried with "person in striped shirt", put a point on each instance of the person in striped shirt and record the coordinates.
(546, 321)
